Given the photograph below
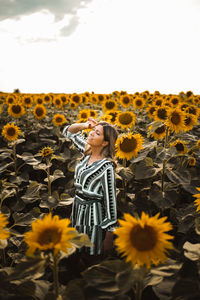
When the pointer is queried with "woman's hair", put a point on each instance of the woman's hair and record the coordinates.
(110, 135)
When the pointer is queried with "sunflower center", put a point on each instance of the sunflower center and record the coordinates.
(126, 100)
(174, 101)
(50, 235)
(57, 101)
(179, 147)
(113, 115)
(192, 110)
(101, 98)
(64, 99)
(162, 114)
(84, 116)
(16, 109)
(92, 113)
(175, 118)
(76, 99)
(10, 100)
(143, 239)
(128, 145)
(27, 100)
(152, 109)
(47, 98)
(110, 104)
(125, 118)
(11, 131)
(138, 103)
(39, 111)
(159, 102)
(188, 121)
(160, 130)
(59, 120)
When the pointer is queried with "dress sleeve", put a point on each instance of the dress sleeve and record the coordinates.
(76, 138)
(110, 204)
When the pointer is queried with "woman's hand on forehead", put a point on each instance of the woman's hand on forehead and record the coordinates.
(92, 123)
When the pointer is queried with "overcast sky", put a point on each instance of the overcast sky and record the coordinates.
(67, 46)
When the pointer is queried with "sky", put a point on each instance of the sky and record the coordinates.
(100, 46)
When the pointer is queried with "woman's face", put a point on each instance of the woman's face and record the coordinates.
(96, 137)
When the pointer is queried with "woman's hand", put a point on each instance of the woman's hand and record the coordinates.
(91, 123)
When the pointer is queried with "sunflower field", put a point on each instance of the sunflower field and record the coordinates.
(156, 253)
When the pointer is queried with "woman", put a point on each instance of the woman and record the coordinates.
(94, 210)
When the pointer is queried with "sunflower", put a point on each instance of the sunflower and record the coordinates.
(128, 145)
(192, 109)
(76, 98)
(159, 132)
(64, 99)
(183, 106)
(107, 118)
(47, 98)
(196, 100)
(84, 99)
(197, 201)
(84, 115)
(174, 101)
(10, 99)
(16, 110)
(190, 121)
(58, 102)
(113, 115)
(150, 110)
(38, 100)
(93, 99)
(72, 104)
(11, 132)
(144, 241)
(59, 120)
(158, 102)
(125, 100)
(39, 111)
(160, 114)
(189, 94)
(192, 161)
(46, 151)
(93, 113)
(180, 146)
(3, 222)
(27, 101)
(109, 105)
(50, 233)
(176, 120)
(101, 98)
(139, 102)
(125, 119)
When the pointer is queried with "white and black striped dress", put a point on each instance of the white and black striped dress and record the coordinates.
(94, 209)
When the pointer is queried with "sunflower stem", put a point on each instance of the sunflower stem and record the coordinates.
(163, 174)
(124, 182)
(166, 138)
(49, 182)
(15, 159)
(55, 275)
(138, 290)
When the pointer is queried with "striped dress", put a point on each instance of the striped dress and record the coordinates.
(94, 208)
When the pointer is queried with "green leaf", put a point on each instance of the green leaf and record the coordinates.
(192, 251)
(29, 158)
(81, 239)
(22, 219)
(182, 177)
(29, 268)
